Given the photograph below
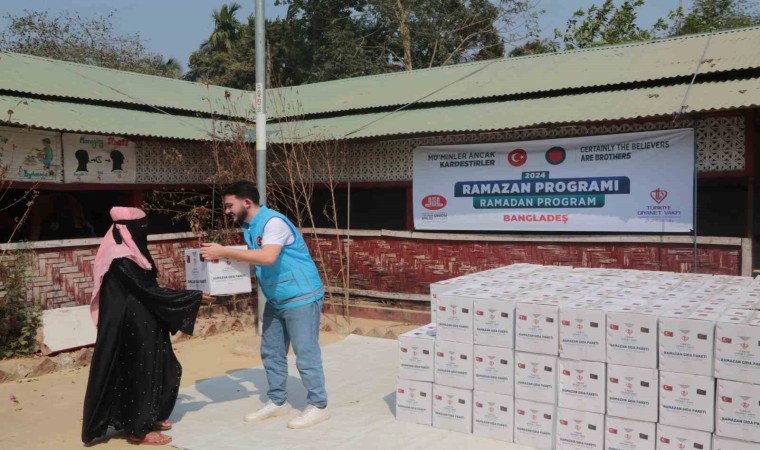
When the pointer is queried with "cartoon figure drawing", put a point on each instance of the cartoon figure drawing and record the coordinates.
(47, 154)
(82, 159)
(117, 158)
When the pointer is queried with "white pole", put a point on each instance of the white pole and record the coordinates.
(261, 122)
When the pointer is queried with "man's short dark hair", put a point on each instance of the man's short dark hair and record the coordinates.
(243, 190)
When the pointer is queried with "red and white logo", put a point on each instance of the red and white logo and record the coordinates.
(659, 195)
(258, 241)
(434, 202)
(517, 157)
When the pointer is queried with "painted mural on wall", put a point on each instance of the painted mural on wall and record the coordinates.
(30, 155)
(92, 158)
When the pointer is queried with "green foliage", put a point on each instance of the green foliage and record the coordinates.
(332, 39)
(607, 25)
(712, 15)
(94, 41)
(19, 320)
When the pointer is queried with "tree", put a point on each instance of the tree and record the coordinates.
(332, 39)
(712, 15)
(91, 41)
(607, 25)
(535, 47)
(227, 28)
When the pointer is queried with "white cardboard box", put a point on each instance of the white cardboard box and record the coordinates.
(493, 416)
(632, 392)
(414, 401)
(632, 339)
(737, 347)
(534, 424)
(494, 322)
(721, 443)
(672, 438)
(738, 410)
(221, 277)
(686, 344)
(579, 430)
(537, 328)
(417, 354)
(687, 401)
(452, 409)
(454, 364)
(494, 370)
(582, 333)
(626, 434)
(536, 377)
(582, 385)
(455, 316)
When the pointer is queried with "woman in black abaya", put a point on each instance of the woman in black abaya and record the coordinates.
(134, 376)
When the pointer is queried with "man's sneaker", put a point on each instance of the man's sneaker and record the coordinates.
(309, 417)
(269, 411)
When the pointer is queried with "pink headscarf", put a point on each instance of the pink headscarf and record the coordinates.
(110, 250)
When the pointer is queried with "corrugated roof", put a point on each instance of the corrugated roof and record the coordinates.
(25, 74)
(85, 118)
(587, 68)
(591, 107)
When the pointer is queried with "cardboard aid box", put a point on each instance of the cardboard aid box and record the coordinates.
(737, 346)
(455, 316)
(738, 410)
(582, 332)
(454, 364)
(221, 277)
(494, 370)
(534, 424)
(626, 434)
(452, 409)
(721, 443)
(687, 401)
(632, 392)
(494, 322)
(537, 329)
(536, 377)
(686, 344)
(579, 430)
(414, 401)
(582, 385)
(493, 416)
(632, 338)
(672, 438)
(416, 354)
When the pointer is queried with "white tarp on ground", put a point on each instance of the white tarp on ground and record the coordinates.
(361, 384)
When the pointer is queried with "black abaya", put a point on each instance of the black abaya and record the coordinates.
(134, 375)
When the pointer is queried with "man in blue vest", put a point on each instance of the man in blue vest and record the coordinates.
(294, 292)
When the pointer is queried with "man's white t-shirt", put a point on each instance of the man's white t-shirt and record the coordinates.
(277, 232)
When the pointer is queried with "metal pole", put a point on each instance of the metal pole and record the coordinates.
(261, 122)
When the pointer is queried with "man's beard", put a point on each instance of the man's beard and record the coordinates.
(240, 217)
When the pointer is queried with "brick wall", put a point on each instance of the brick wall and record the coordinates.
(63, 276)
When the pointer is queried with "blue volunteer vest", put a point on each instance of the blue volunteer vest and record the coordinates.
(293, 280)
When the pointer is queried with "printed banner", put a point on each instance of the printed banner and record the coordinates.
(30, 155)
(633, 182)
(98, 159)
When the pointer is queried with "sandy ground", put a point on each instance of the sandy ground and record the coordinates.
(49, 410)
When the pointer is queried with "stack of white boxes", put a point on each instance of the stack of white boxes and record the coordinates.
(589, 359)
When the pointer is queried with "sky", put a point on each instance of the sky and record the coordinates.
(176, 28)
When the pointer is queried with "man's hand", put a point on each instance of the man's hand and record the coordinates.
(213, 252)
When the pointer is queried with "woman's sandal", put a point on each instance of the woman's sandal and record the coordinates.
(152, 438)
(162, 426)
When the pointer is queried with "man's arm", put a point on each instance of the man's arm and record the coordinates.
(266, 256)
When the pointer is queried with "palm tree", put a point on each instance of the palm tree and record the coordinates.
(226, 27)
